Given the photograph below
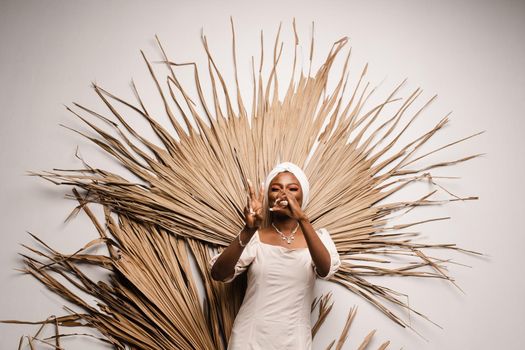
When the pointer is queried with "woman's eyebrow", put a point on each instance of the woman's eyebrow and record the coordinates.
(281, 185)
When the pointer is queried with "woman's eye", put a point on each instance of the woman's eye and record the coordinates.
(294, 189)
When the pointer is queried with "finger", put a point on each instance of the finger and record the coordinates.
(248, 202)
(293, 206)
(250, 188)
(283, 200)
(261, 192)
(291, 197)
(278, 208)
(250, 207)
(277, 204)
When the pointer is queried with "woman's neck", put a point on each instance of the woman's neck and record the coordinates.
(284, 223)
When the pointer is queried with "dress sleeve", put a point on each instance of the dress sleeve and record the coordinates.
(335, 261)
(246, 258)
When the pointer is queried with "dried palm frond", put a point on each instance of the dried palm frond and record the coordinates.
(191, 192)
(151, 301)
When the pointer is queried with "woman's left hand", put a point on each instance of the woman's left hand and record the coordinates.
(293, 209)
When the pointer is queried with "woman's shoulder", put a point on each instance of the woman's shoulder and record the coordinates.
(324, 234)
(322, 231)
(255, 239)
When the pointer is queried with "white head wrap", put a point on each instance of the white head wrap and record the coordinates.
(298, 173)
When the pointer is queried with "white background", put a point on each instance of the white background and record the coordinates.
(470, 53)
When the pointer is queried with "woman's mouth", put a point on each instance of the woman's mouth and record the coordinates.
(282, 203)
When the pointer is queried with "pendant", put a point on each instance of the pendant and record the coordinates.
(288, 239)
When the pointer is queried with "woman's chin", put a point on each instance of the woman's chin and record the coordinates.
(279, 214)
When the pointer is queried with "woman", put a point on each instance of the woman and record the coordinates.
(281, 260)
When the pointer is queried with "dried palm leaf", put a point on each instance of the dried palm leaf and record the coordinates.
(152, 301)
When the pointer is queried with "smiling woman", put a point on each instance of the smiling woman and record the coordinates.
(281, 261)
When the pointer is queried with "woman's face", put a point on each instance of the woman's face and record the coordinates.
(284, 180)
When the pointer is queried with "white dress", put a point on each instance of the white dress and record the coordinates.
(275, 312)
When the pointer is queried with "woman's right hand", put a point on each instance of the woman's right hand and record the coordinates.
(253, 210)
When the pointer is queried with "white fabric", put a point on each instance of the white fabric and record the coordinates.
(298, 173)
(275, 312)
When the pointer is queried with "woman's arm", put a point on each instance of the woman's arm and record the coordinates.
(319, 253)
(224, 266)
